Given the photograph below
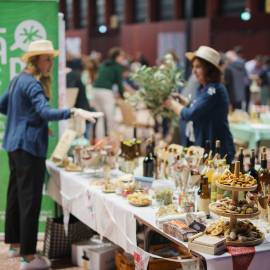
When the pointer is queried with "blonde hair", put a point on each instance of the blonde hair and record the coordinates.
(46, 81)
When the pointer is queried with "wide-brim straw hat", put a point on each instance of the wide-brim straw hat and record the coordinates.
(206, 53)
(40, 47)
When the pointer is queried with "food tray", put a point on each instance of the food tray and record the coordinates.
(232, 188)
(140, 205)
(108, 190)
(247, 243)
(224, 214)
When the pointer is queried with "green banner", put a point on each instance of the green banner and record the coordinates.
(20, 23)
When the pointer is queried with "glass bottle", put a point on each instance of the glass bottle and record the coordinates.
(252, 171)
(207, 149)
(148, 163)
(222, 167)
(201, 185)
(263, 176)
(216, 176)
(204, 199)
(241, 160)
(209, 170)
(217, 149)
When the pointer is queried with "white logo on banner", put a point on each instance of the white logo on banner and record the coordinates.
(26, 32)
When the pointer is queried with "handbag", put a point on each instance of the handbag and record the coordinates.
(56, 243)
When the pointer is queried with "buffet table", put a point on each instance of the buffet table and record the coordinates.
(251, 133)
(114, 218)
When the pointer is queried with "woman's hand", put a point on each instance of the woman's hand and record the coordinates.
(173, 105)
(181, 99)
(90, 116)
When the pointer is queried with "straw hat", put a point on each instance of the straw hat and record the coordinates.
(39, 47)
(206, 53)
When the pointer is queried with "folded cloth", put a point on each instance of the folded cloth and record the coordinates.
(241, 257)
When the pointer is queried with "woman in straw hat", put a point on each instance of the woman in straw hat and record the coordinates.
(207, 114)
(26, 139)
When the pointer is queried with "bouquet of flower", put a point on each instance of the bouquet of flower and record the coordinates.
(156, 85)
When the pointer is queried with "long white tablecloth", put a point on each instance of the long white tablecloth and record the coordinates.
(114, 218)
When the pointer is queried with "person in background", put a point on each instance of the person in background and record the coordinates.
(73, 78)
(188, 92)
(96, 56)
(140, 58)
(207, 114)
(129, 85)
(254, 68)
(109, 75)
(265, 82)
(26, 106)
(89, 75)
(235, 77)
(239, 52)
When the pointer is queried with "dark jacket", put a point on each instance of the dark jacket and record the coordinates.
(110, 73)
(236, 80)
(265, 76)
(28, 112)
(209, 111)
(74, 80)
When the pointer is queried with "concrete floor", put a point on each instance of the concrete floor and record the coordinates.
(13, 264)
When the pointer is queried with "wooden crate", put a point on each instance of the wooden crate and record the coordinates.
(123, 263)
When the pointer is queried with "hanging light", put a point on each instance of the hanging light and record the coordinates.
(102, 29)
(245, 15)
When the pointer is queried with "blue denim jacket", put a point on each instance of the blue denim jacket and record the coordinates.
(209, 113)
(28, 112)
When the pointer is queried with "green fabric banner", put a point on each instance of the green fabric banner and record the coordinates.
(20, 23)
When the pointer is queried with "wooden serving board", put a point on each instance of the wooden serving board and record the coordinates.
(216, 210)
(78, 169)
(140, 205)
(245, 244)
(108, 190)
(233, 188)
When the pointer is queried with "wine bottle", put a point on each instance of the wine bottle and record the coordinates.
(241, 160)
(148, 163)
(217, 149)
(201, 185)
(264, 176)
(207, 149)
(252, 171)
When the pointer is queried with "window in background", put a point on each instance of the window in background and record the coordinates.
(199, 8)
(140, 11)
(100, 12)
(166, 10)
(69, 16)
(83, 13)
(118, 10)
(232, 8)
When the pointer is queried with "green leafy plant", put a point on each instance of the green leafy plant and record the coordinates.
(156, 85)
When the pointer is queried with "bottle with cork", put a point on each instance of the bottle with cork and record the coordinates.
(252, 171)
(148, 163)
(241, 160)
(204, 199)
(217, 149)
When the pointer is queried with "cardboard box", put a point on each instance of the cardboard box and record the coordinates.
(102, 258)
(78, 248)
(207, 244)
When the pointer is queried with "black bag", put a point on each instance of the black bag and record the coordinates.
(56, 243)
